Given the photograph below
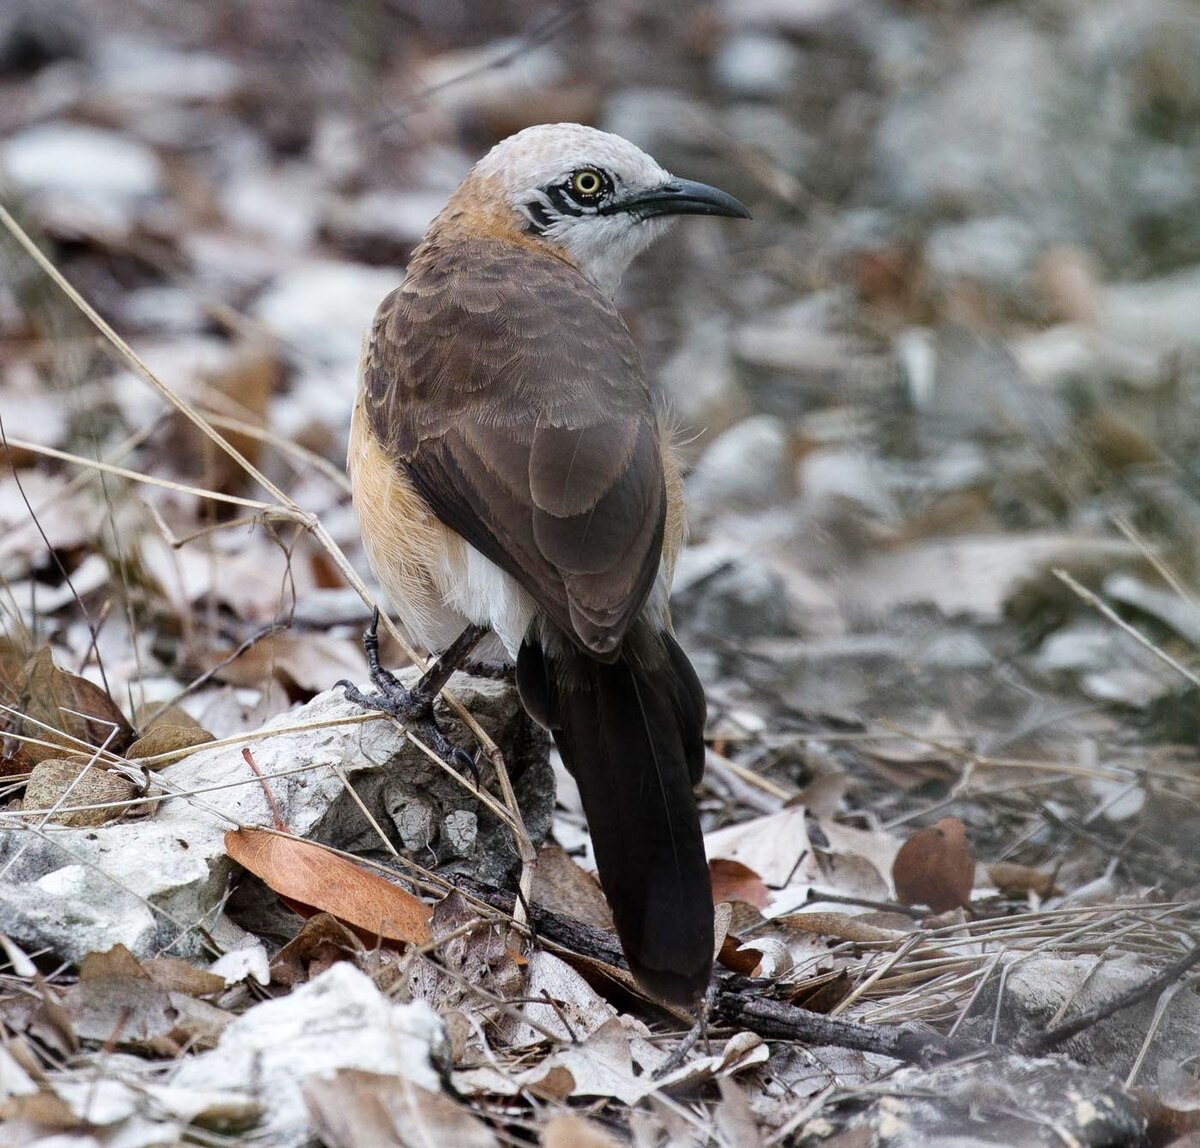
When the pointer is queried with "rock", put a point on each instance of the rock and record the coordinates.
(82, 177)
(145, 883)
(1038, 987)
(337, 1020)
(975, 576)
(752, 64)
(743, 467)
(699, 378)
(1156, 313)
(996, 1102)
(382, 225)
(134, 72)
(280, 204)
(323, 309)
(55, 783)
(34, 33)
(978, 390)
(998, 253)
(729, 598)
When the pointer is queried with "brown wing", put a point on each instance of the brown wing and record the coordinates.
(510, 390)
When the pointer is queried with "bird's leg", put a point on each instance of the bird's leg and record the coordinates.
(415, 707)
(495, 671)
(452, 658)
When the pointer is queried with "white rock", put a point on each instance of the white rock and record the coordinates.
(755, 65)
(282, 205)
(744, 466)
(338, 1020)
(100, 177)
(148, 883)
(1157, 312)
(145, 71)
(398, 217)
(996, 251)
(323, 309)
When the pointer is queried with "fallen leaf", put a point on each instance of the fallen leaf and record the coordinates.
(570, 1131)
(775, 846)
(354, 1109)
(1010, 878)
(178, 976)
(563, 886)
(312, 879)
(115, 1002)
(322, 940)
(167, 739)
(71, 784)
(733, 881)
(66, 711)
(934, 867)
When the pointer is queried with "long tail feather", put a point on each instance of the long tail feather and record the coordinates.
(631, 733)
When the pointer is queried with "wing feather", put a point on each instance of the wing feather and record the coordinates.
(512, 394)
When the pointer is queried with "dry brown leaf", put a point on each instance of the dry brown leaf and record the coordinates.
(354, 1109)
(839, 926)
(312, 879)
(322, 941)
(177, 976)
(934, 867)
(1010, 878)
(733, 881)
(740, 960)
(74, 783)
(563, 886)
(570, 1131)
(302, 663)
(116, 1002)
(167, 739)
(65, 710)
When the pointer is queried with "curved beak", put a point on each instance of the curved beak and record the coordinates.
(679, 197)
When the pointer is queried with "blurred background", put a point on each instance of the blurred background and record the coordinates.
(955, 352)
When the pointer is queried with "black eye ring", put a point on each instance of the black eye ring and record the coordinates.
(588, 184)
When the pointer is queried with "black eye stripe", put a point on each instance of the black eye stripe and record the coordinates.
(539, 216)
(563, 202)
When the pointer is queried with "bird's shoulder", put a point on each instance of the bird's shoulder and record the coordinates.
(502, 331)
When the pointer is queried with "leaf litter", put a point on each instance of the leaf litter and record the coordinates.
(952, 624)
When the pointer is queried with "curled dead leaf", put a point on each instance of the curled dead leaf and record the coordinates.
(934, 867)
(312, 879)
(733, 881)
(63, 711)
(1019, 879)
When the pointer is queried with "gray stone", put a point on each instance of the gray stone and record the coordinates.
(323, 309)
(1038, 987)
(83, 176)
(753, 64)
(996, 1102)
(149, 883)
(745, 466)
(337, 1020)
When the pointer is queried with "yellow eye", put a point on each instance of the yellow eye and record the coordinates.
(587, 183)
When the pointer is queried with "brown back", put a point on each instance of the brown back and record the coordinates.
(511, 391)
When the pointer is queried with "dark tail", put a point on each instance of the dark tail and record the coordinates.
(631, 733)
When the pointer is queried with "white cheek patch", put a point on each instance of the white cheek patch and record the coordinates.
(603, 246)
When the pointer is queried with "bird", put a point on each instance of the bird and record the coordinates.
(517, 494)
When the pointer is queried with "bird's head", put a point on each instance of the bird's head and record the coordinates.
(595, 196)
